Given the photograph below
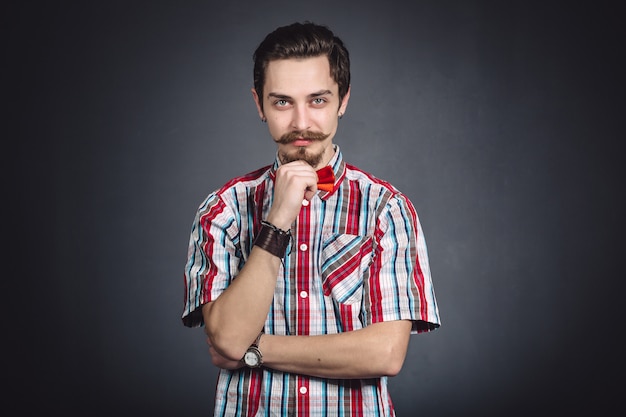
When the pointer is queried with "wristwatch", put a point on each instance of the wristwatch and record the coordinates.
(253, 357)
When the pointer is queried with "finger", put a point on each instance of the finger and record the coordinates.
(310, 192)
(305, 179)
(297, 166)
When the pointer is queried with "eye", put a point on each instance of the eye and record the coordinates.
(281, 103)
(319, 101)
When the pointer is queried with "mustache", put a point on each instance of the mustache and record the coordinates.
(301, 134)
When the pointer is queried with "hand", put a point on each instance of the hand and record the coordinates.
(220, 361)
(294, 181)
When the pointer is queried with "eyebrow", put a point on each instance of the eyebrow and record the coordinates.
(312, 95)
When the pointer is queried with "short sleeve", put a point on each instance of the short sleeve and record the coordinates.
(399, 284)
(213, 257)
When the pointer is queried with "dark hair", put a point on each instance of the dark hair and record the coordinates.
(303, 40)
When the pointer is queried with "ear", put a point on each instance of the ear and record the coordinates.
(344, 102)
(257, 101)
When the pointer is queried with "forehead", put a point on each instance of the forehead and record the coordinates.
(299, 76)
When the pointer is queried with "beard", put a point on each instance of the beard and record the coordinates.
(301, 154)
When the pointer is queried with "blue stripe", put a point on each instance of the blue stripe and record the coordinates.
(394, 281)
(318, 247)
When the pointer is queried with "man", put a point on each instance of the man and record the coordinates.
(308, 292)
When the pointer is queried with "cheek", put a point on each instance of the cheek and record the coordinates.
(278, 120)
(330, 123)
(276, 128)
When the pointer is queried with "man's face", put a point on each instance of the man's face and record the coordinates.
(301, 105)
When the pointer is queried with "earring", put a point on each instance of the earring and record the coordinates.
(264, 120)
(340, 115)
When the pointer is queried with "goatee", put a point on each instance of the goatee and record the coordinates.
(302, 154)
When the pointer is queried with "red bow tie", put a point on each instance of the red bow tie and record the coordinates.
(326, 179)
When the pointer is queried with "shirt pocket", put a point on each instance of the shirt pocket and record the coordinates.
(345, 259)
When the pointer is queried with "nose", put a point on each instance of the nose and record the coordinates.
(300, 120)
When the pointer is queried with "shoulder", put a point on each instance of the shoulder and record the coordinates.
(368, 180)
(237, 189)
(251, 179)
(380, 193)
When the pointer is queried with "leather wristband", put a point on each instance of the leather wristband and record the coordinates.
(272, 239)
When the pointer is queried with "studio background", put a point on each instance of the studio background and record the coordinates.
(499, 120)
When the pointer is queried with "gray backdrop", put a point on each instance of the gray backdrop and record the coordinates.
(498, 119)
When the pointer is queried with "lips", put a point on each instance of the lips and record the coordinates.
(301, 142)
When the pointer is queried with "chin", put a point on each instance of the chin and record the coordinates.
(301, 154)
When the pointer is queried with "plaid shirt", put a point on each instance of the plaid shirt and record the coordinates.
(357, 256)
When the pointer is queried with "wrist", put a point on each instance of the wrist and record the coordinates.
(278, 223)
(272, 239)
(253, 357)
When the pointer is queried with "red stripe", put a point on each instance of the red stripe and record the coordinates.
(303, 276)
(258, 205)
(375, 291)
(205, 222)
(353, 208)
(302, 281)
(303, 399)
(356, 399)
(254, 392)
(346, 317)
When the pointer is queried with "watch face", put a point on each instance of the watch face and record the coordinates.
(251, 358)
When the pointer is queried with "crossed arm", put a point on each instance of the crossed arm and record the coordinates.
(374, 351)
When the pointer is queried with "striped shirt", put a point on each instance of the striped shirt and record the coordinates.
(357, 257)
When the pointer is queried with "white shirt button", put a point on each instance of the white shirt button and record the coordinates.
(303, 247)
(304, 294)
(305, 202)
(302, 390)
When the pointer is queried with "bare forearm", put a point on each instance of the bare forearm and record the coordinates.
(378, 350)
(237, 316)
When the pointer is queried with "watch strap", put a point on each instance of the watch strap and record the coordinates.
(257, 340)
(254, 349)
